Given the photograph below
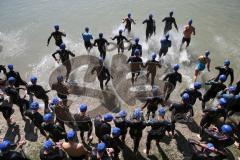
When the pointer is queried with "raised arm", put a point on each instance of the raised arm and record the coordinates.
(164, 19)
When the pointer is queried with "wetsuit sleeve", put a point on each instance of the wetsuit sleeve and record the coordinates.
(166, 77)
(145, 21)
(63, 34)
(164, 19)
(114, 38)
(175, 24)
(218, 68)
(133, 21)
(49, 38)
(93, 70)
(107, 72)
(129, 60)
(72, 54)
(125, 39)
(194, 32)
(140, 49)
(180, 78)
(95, 42)
(106, 42)
(145, 105)
(208, 64)
(154, 26)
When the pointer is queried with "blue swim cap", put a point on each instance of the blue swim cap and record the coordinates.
(122, 113)
(136, 40)
(70, 135)
(100, 35)
(5, 145)
(222, 78)
(33, 80)
(34, 105)
(108, 117)
(136, 52)
(62, 46)
(161, 111)
(48, 145)
(83, 107)
(190, 22)
(56, 27)
(11, 80)
(137, 113)
(60, 78)
(101, 147)
(116, 132)
(48, 117)
(120, 31)
(55, 101)
(153, 55)
(197, 85)
(176, 67)
(222, 102)
(185, 97)
(226, 62)
(227, 129)
(86, 29)
(150, 15)
(207, 53)
(232, 89)
(167, 36)
(129, 15)
(210, 146)
(10, 66)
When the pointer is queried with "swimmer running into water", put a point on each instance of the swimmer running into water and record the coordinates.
(128, 20)
(187, 33)
(57, 35)
(168, 23)
(203, 60)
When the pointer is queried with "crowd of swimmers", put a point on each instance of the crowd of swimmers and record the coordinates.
(111, 129)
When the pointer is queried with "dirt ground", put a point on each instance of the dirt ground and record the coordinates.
(106, 101)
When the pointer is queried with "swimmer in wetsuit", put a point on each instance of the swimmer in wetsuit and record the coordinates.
(151, 66)
(216, 87)
(16, 75)
(136, 64)
(168, 23)
(121, 122)
(151, 26)
(64, 57)
(172, 79)
(187, 33)
(120, 38)
(226, 70)
(203, 60)
(101, 44)
(165, 44)
(87, 37)
(102, 73)
(61, 88)
(136, 46)
(57, 35)
(128, 22)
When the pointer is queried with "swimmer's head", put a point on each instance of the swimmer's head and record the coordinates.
(100, 35)
(56, 27)
(190, 22)
(129, 15)
(171, 13)
(87, 29)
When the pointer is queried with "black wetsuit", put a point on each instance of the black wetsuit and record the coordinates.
(225, 71)
(212, 91)
(179, 110)
(39, 93)
(151, 66)
(17, 77)
(101, 43)
(237, 88)
(120, 44)
(152, 105)
(203, 153)
(57, 36)
(84, 124)
(151, 27)
(218, 139)
(102, 74)
(129, 22)
(37, 119)
(193, 95)
(56, 132)
(172, 79)
(6, 110)
(115, 143)
(15, 98)
(101, 128)
(13, 155)
(211, 116)
(135, 66)
(64, 55)
(135, 131)
(54, 154)
(122, 123)
(165, 44)
(168, 23)
(134, 47)
(158, 131)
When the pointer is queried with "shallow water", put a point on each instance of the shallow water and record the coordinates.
(26, 24)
